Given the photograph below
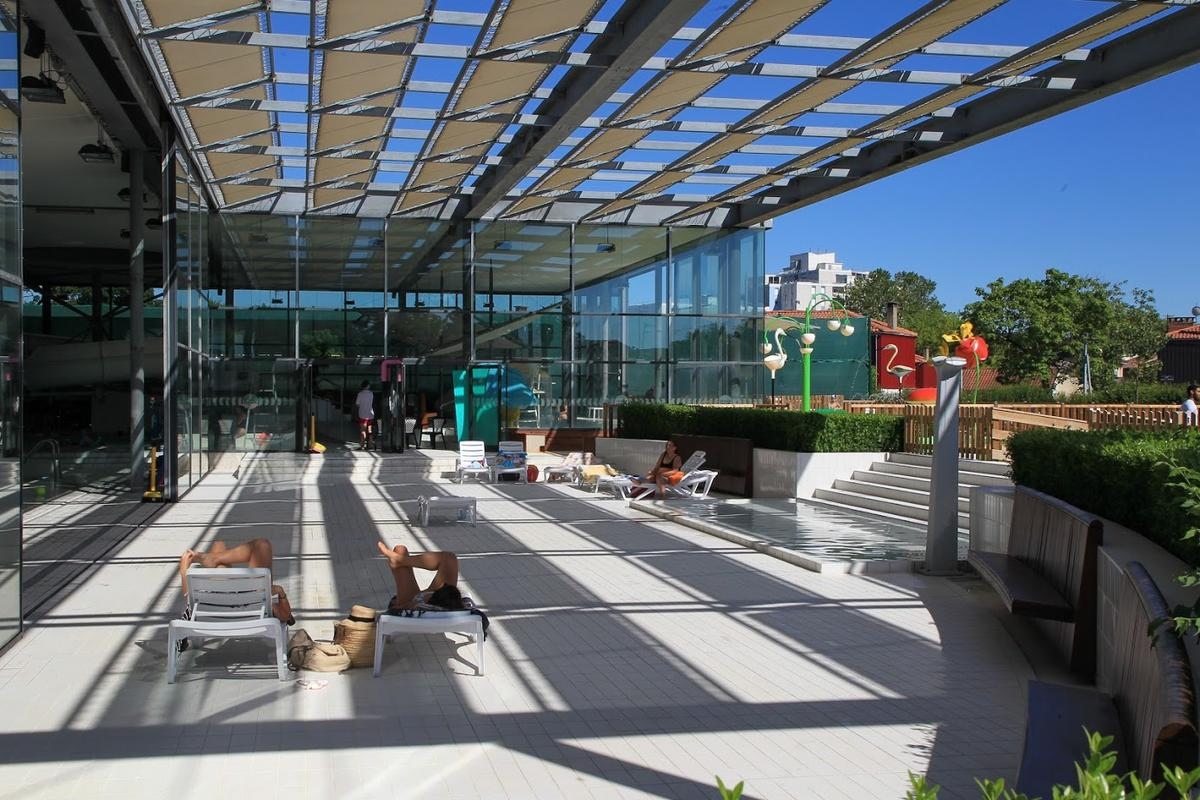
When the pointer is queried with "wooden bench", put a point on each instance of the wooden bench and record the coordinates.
(1048, 573)
(1150, 711)
(731, 457)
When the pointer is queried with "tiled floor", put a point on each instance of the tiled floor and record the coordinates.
(629, 658)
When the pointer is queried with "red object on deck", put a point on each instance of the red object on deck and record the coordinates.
(532, 473)
(927, 395)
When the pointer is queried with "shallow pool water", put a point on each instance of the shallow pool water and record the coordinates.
(821, 532)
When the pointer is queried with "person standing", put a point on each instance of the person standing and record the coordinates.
(364, 411)
(1191, 416)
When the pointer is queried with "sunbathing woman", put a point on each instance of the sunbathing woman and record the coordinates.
(660, 475)
(442, 590)
(254, 553)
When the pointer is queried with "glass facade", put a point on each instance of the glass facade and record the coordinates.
(576, 316)
(10, 328)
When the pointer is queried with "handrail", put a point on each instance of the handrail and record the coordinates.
(55, 457)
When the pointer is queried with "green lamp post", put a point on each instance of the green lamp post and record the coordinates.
(808, 338)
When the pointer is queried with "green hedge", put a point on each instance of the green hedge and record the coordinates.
(779, 430)
(1115, 474)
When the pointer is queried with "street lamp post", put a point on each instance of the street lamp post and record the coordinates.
(808, 338)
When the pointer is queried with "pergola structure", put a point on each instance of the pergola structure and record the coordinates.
(683, 112)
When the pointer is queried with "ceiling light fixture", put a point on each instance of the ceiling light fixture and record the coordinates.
(42, 89)
(98, 153)
(607, 246)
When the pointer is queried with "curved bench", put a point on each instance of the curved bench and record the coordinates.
(1150, 713)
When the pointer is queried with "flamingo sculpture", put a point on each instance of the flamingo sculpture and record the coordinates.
(778, 359)
(899, 370)
(775, 361)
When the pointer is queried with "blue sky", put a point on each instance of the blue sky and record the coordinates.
(1110, 190)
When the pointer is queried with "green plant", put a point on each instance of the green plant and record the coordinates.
(1121, 475)
(1185, 620)
(730, 794)
(780, 430)
(1096, 779)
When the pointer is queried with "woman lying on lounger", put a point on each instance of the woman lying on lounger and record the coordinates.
(442, 590)
(254, 553)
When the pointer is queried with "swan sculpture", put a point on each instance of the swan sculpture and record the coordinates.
(776, 360)
(899, 370)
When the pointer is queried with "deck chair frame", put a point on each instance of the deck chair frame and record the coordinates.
(510, 448)
(463, 622)
(472, 460)
(571, 466)
(228, 604)
(693, 463)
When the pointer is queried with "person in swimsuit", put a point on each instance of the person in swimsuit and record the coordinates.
(442, 590)
(254, 553)
(667, 463)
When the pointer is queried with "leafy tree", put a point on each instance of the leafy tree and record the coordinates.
(930, 324)
(920, 310)
(1038, 329)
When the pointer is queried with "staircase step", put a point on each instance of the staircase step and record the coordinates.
(978, 466)
(917, 496)
(964, 476)
(902, 481)
(894, 508)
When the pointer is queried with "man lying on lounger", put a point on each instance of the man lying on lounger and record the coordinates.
(442, 590)
(254, 553)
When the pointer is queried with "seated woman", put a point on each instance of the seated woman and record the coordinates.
(660, 475)
(254, 553)
(442, 590)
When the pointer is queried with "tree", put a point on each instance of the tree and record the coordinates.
(1039, 329)
(920, 310)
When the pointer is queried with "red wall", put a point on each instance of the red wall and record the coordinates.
(905, 356)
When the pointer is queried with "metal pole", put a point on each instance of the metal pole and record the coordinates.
(941, 533)
(137, 331)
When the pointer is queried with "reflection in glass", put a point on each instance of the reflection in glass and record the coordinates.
(10, 332)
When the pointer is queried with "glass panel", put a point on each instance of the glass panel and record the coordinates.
(10, 332)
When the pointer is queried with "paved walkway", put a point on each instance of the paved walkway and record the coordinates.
(630, 658)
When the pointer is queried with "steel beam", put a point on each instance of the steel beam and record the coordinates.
(1148, 52)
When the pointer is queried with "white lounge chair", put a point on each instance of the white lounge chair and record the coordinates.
(569, 468)
(472, 460)
(696, 484)
(228, 604)
(430, 622)
(510, 460)
(689, 468)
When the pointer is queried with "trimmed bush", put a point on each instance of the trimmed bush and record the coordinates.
(1117, 474)
(779, 430)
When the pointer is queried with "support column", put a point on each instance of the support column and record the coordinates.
(170, 315)
(941, 533)
(137, 330)
(568, 328)
(669, 311)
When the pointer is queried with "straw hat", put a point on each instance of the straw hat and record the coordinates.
(356, 633)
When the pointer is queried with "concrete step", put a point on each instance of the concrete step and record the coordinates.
(903, 481)
(964, 476)
(896, 508)
(917, 497)
(1001, 468)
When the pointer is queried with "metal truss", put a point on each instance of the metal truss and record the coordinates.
(686, 112)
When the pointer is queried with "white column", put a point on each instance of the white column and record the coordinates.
(941, 535)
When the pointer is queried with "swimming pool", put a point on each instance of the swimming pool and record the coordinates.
(819, 537)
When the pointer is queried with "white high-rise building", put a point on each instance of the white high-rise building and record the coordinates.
(808, 274)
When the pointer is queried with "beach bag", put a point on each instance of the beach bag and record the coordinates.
(674, 476)
(356, 633)
(305, 654)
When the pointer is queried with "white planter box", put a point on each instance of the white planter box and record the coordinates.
(783, 473)
(635, 456)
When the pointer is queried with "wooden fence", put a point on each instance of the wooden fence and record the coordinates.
(983, 430)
